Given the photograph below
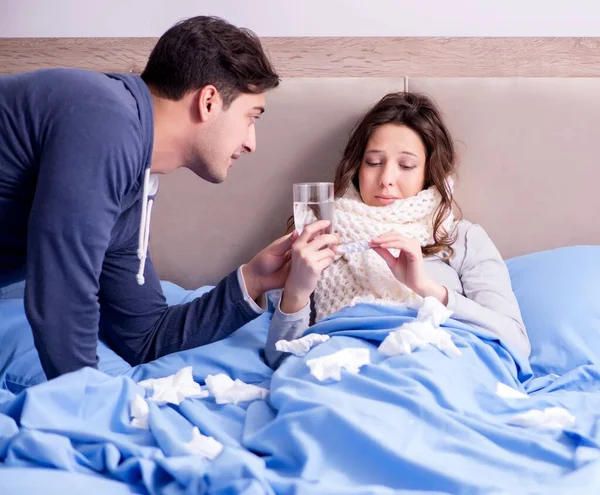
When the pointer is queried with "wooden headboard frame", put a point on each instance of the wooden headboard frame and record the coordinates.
(475, 81)
(337, 57)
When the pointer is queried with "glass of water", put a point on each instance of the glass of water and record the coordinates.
(313, 201)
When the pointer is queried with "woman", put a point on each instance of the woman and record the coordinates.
(393, 190)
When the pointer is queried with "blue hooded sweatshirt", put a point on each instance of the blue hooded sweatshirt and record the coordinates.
(75, 152)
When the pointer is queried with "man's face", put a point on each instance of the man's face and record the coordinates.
(228, 133)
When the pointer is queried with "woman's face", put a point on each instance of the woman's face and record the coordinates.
(393, 165)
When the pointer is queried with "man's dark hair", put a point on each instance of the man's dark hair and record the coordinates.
(205, 50)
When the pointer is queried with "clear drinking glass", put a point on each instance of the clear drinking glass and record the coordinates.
(313, 201)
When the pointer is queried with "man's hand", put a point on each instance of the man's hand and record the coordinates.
(269, 269)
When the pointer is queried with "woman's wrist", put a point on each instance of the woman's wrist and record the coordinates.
(433, 289)
(292, 302)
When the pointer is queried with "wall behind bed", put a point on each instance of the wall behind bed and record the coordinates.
(522, 104)
(268, 18)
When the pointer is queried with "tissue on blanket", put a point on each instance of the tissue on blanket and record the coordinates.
(507, 392)
(173, 389)
(414, 334)
(433, 311)
(550, 417)
(227, 391)
(422, 331)
(203, 445)
(299, 347)
(139, 412)
(330, 366)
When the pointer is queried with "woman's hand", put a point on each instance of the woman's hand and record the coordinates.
(409, 266)
(312, 253)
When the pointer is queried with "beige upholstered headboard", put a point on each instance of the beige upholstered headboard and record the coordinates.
(529, 167)
(526, 127)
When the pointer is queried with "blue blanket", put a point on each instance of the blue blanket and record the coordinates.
(404, 424)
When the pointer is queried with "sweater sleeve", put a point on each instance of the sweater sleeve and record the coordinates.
(284, 327)
(138, 324)
(488, 301)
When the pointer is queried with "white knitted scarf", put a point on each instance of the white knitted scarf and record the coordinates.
(364, 276)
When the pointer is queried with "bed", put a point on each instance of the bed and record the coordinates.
(422, 422)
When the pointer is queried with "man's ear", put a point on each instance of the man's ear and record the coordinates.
(209, 102)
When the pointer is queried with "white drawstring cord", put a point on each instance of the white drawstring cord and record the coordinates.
(140, 275)
(149, 190)
(141, 234)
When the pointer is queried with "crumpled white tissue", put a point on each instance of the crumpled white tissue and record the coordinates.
(422, 331)
(299, 347)
(550, 417)
(330, 366)
(433, 311)
(227, 391)
(139, 412)
(173, 389)
(203, 445)
(507, 392)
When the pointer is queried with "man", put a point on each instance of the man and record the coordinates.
(79, 151)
